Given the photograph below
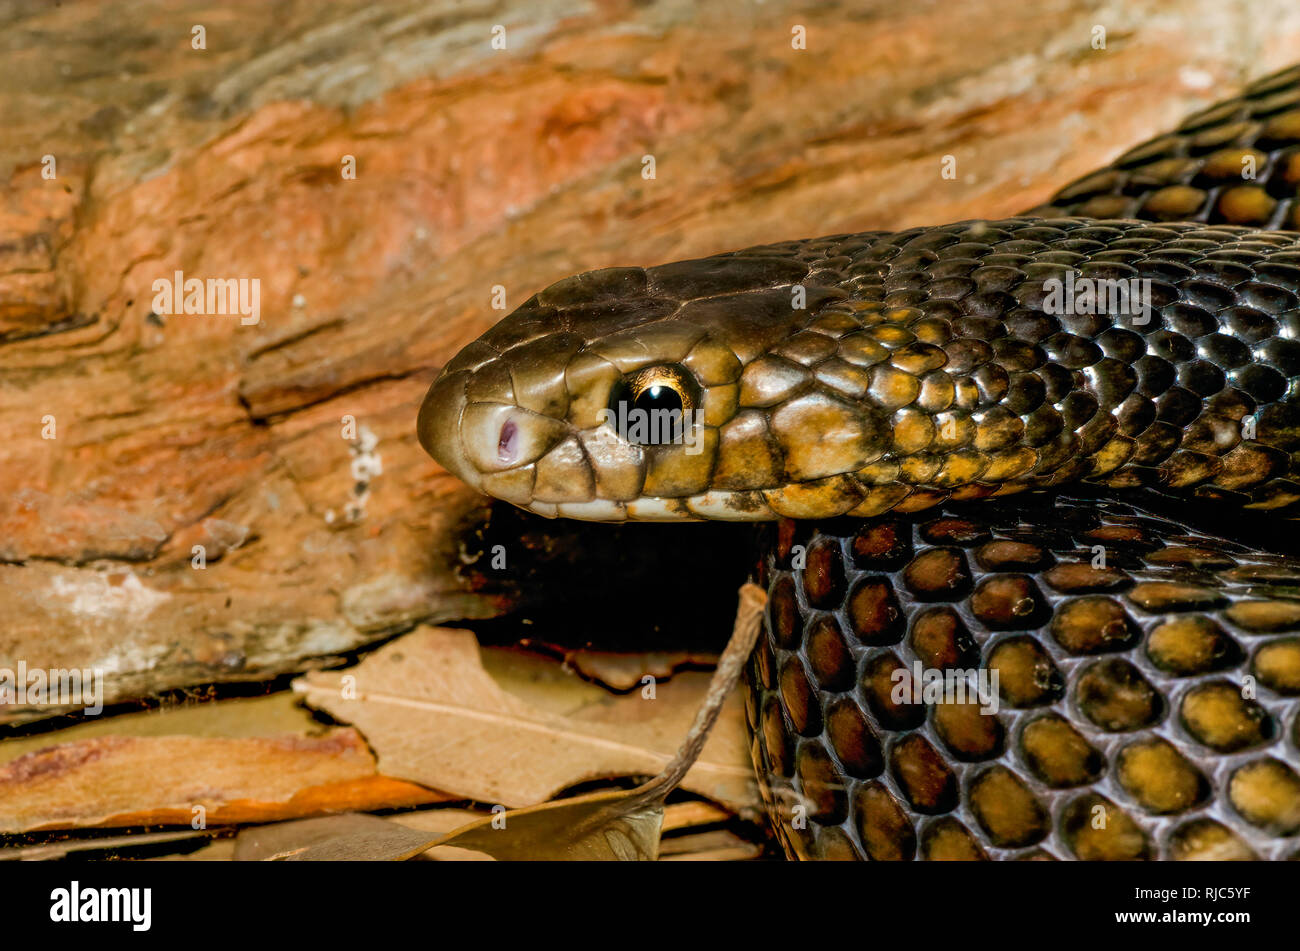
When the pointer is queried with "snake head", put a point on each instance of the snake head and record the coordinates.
(861, 374)
(622, 394)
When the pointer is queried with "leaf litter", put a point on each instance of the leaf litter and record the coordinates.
(607, 825)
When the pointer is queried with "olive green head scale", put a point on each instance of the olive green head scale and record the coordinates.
(859, 374)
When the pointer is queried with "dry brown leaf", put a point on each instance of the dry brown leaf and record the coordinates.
(560, 837)
(599, 827)
(740, 852)
(358, 838)
(620, 825)
(435, 716)
(445, 820)
(622, 671)
(158, 780)
(719, 845)
(686, 815)
(440, 821)
(593, 827)
(353, 837)
(222, 850)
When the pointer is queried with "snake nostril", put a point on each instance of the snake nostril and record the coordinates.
(508, 442)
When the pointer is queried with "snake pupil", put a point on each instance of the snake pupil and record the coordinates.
(650, 407)
(658, 398)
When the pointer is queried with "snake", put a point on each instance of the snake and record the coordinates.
(1027, 486)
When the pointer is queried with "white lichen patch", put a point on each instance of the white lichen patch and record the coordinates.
(116, 595)
(1193, 78)
(366, 465)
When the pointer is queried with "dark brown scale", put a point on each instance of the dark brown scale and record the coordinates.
(1120, 700)
(1177, 176)
(1115, 697)
(1058, 755)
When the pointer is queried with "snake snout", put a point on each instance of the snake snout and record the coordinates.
(439, 423)
(497, 437)
(499, 448)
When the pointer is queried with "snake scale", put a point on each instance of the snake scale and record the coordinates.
(1062, 448)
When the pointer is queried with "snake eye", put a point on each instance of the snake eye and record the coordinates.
(651, 406)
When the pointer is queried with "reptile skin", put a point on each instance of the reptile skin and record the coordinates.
(1140, 605)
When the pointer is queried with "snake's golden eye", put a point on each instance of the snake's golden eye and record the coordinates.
(653, 406)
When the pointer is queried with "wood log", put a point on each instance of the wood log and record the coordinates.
(133, 441)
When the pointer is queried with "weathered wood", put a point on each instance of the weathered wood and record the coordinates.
(475, 168)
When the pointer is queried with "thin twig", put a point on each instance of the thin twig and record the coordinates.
(749, 622)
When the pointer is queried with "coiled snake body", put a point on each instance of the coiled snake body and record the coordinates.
(1130, 353)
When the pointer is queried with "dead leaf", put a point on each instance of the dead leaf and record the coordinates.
(739, 851)
(716, 846)
(590, 827)
(622, 825)
(678, 817)
(354, 837)
(440, 821)
(435, 716)
(222, 850)
(623, 671)
(687, 815)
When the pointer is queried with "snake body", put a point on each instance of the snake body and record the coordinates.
(1130, 348)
